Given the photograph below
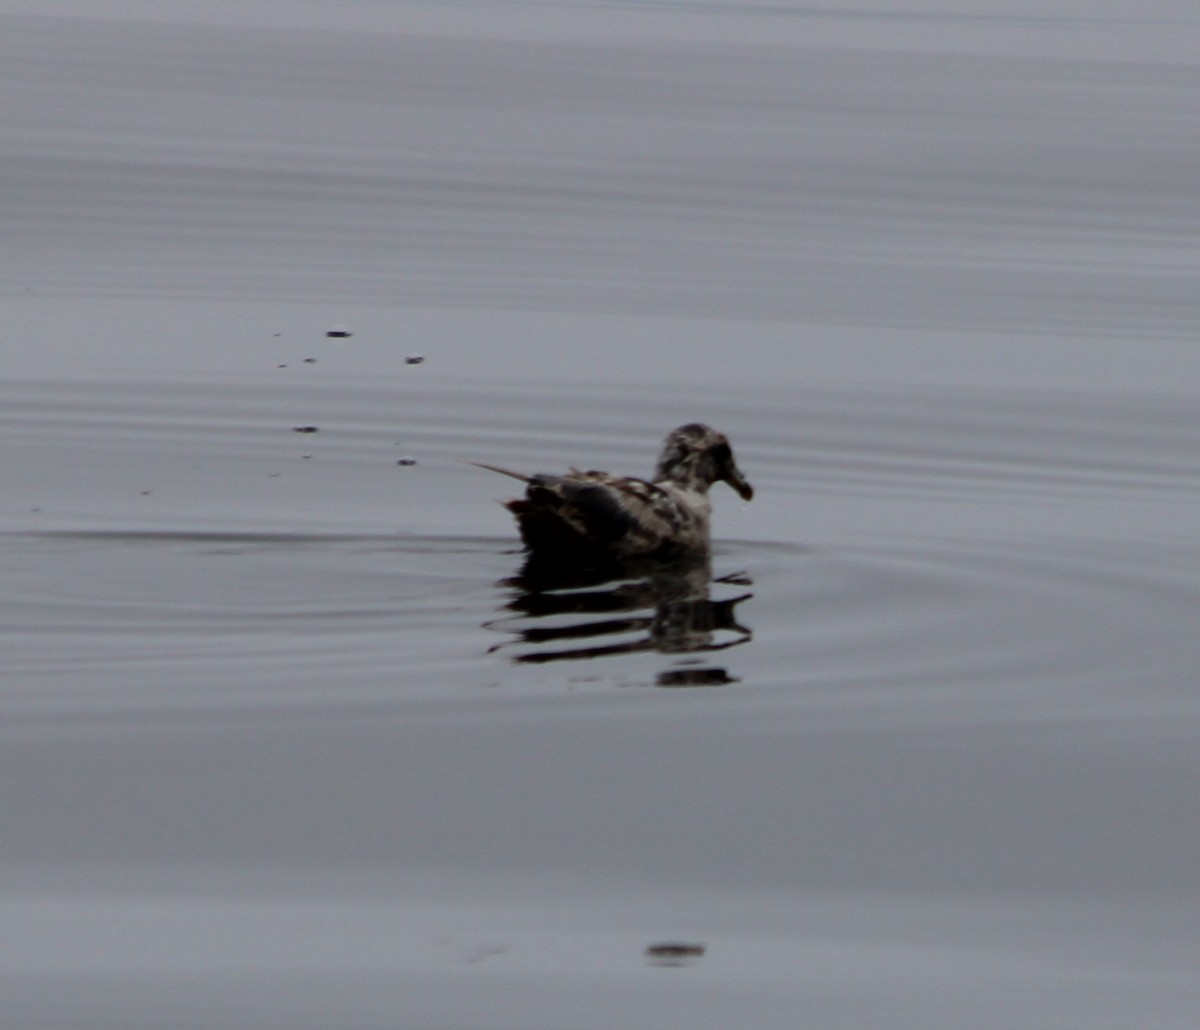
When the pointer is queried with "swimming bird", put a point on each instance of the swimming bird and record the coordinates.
(598, 516)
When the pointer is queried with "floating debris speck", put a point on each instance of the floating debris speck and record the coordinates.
(674, 953)
(694, 677)
(338, 332)
(310, 361)
(304, 429)
(406, 461)
(414, 359)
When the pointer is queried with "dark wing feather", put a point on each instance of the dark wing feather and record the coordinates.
(593, 508)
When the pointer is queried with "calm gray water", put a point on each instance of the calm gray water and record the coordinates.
(285, 739)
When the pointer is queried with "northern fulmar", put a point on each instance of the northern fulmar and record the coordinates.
(600, 516)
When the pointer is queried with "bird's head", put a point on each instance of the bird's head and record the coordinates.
(695, 456)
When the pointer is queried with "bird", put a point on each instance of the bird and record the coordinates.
(601, 517)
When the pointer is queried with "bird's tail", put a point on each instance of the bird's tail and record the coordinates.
(502, 471)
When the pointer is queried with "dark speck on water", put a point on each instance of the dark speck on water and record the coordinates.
(702, 677)
(674, 954)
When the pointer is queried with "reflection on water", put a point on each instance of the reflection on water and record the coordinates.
(638, 607)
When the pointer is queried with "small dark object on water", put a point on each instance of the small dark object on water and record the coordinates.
(674, 953)
(406, 461)
(338, 332)
(304, 429)
(694, 677)
(310, 361)
(414, 359)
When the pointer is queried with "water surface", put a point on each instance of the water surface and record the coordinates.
(288, 742)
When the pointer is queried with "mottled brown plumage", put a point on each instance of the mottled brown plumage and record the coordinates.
(596, 515)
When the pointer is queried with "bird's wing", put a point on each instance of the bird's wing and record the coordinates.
(640, 516)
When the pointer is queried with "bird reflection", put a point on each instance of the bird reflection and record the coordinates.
(668, 608)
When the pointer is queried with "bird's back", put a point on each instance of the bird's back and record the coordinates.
(613, 515)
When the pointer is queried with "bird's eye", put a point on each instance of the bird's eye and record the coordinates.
(722, 453)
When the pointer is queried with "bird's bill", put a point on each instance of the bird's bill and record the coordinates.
(735, 479)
